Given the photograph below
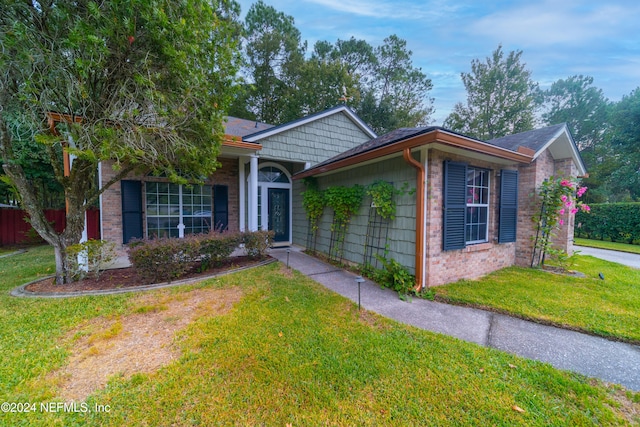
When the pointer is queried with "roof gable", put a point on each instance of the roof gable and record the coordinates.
(341, 109)
(557, 139)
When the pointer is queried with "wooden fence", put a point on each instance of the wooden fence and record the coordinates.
(14, 229)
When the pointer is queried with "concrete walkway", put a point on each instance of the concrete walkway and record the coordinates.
(624, 258)
(592, 356)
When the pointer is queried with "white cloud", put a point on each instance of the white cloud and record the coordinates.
(390, 9)
(551, 22)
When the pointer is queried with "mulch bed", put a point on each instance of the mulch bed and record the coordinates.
(123, 278)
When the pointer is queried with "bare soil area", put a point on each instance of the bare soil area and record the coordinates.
(141, 342)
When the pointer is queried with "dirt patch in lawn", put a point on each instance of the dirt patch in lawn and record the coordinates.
(141, 342)
(628, 404)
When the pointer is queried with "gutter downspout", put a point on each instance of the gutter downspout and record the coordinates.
(420, 223)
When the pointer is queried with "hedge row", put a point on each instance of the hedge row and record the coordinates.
(166, 259)
(618, 222)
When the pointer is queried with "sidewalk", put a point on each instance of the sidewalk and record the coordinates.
(591, 356)
(624, 258)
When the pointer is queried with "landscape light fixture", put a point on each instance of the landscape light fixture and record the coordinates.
(359, 280)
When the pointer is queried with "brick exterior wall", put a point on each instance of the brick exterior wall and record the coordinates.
(564, 239)
(442, 266)
(227, 174)
(531, 177)
(473, 261)
(111, 212)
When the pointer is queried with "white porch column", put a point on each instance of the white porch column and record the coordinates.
(253, 194)
(100, 201)
(241, 196)
(83, 259)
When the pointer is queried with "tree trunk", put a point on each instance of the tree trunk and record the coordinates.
(61, 263)
(76, 187)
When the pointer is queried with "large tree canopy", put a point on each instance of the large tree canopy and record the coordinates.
(582, 106)
(274, 56)
(500, 98)
(624, 178)
(285, 81)
(143, 83)
(396, 94)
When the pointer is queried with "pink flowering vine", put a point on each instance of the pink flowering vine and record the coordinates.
(559, 198)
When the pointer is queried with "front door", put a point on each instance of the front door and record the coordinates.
(278, 213)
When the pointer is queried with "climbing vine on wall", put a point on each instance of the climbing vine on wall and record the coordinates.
(381, 193)
(345, 202)
(313, 203)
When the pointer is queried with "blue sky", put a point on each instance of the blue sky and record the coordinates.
(559, 38)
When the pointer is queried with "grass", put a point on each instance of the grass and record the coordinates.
(602, 244)
(290, 352)
(6, 250)
(607, 307)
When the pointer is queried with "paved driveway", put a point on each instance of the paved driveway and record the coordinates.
(625, 258)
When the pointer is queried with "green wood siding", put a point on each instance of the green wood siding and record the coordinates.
(401, 230)
(314, 142)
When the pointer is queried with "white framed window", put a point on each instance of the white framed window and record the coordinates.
(172, 207)
(477, 198)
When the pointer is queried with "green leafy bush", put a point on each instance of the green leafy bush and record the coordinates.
(256, 243)
(394, 276)
(216, 247)
(163, 259)
(618, 222)
(345, 202)
(382, 193)
(167, 258)
(90, 258)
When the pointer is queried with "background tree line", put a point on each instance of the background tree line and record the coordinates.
(284, 80)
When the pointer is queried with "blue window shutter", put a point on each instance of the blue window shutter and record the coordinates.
(454, 206)
(220, 207)
(131, 192)
(508, 206)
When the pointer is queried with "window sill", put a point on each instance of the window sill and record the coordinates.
(479, 247)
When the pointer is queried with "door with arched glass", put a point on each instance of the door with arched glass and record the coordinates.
(274, 201)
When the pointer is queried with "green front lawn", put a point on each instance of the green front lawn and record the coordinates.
(607, 307)
(5, 251)
(290, 352)
(601, 244)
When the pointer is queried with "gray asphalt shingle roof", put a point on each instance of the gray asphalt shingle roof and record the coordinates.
(533, 139)
(381, 141)
(242, 127)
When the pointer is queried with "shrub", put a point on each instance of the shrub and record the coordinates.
(394, 276)
(618, 222)
(256, 243)
(166, 259)
(163, 259)
(216, 247)
(97, 254)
